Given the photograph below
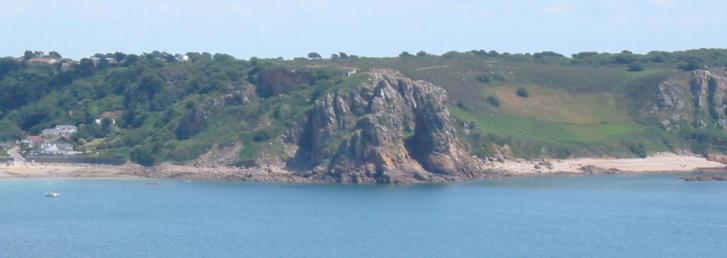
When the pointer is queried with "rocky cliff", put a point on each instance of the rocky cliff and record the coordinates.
(696, 97)
(390, 129)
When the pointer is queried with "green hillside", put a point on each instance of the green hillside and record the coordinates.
(159, 107)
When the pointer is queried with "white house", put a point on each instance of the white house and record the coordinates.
(181, 57)
(60, 131)
(58, 147)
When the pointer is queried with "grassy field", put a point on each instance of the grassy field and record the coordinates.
(543, 130)
(560, 105)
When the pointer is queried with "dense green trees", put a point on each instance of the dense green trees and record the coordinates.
(145, 90)
(9, 131)
(685, 60)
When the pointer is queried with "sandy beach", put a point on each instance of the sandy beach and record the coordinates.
(30, 170)
(661, 162)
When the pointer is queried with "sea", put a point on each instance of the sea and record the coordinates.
(597, 216)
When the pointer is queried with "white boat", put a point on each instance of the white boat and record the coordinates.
(52, 194)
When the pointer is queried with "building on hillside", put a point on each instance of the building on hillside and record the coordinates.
(43, 60)
(68, 65)
(60, 131)
(31, 141)
(181, 58)
(97, 60)
(6, 145)
(113, 115)
(59, 146)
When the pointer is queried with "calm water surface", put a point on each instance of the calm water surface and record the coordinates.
(655, 216)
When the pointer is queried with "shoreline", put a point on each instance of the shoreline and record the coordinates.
(67, 170)
(656, 164)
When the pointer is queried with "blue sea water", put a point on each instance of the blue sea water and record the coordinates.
(610, 216)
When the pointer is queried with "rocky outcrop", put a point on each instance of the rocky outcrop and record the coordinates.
(594, 170)
(280, 80)
(704, 178)
(191, 124)
(389, 130)
(697, 97)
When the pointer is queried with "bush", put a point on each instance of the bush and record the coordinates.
(691, 64)
(639, 149)
(483, 78)
(314, 55)
(635, 67)
(143, 156)
(261, 135)
(450, 54)
(522, 92)
(461, 105)
(494, 101)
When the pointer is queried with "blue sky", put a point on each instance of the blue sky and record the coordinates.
(291, 28)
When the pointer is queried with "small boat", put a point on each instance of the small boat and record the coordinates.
(52, 194)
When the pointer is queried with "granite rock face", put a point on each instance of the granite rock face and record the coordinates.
(390, 129)
(697, 97)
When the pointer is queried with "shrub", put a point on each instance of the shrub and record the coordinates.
(461, 105)
(261, 136)
(483, 78)
(522, 92)
(498, 77)
(635, 67)
(450, 54)
(691, 64)
(494, 101)
(143, 156)
(405, 54)
(639, 149)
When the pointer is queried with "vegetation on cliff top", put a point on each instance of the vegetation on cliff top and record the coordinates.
(160, 107)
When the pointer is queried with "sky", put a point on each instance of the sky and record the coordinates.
(292, 28)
